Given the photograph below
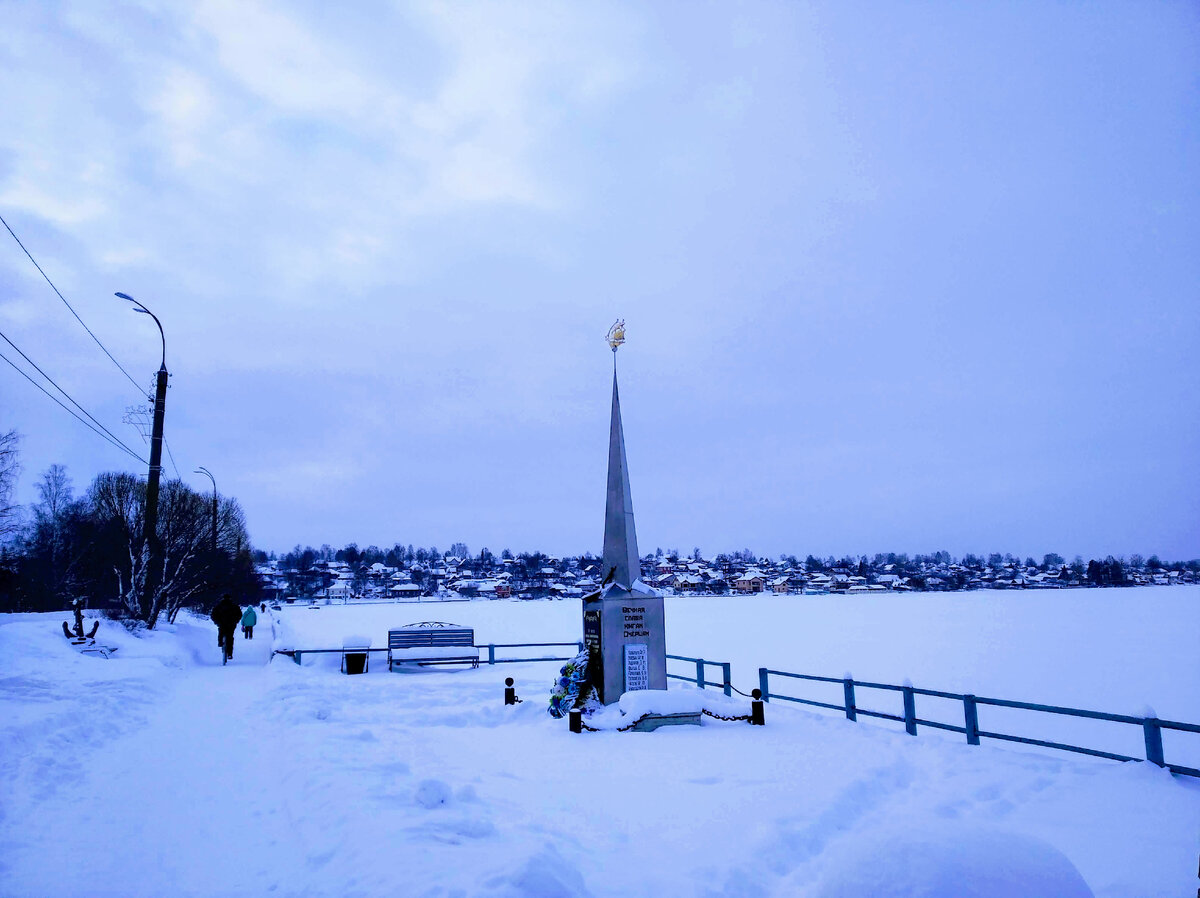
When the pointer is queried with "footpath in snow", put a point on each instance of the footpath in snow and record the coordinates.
(162, 772)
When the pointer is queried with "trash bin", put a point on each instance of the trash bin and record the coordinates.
(354, 654)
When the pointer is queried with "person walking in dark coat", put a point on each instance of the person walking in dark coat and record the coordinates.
(226, 615)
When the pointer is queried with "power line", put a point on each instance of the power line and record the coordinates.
(67, 304)
(117, 443)
(111, 435)
(171, 455)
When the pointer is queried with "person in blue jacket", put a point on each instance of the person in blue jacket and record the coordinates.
(249, 619)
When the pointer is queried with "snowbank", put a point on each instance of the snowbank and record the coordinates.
(949, 862)
(162, 772)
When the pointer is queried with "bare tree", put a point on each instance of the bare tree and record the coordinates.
(118, 501)
(52, 531)
(232, 536)
(54, 491)
(10, 513)
(184, 530)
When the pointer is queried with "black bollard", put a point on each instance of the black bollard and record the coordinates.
(575, 718)
(756, 709)
(510, 694)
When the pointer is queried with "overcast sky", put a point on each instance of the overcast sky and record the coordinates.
(897, 277)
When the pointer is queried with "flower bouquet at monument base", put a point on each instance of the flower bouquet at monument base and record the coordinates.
(571, 683)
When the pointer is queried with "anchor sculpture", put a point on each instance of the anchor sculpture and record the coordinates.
(85, 641)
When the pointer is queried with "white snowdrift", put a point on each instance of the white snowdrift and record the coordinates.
(949, 862)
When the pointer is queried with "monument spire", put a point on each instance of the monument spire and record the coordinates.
(624, 628)
(621, 564)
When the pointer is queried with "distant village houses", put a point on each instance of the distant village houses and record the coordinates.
(404, 574)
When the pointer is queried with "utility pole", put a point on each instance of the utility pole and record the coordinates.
(154, 568)
(150, 517)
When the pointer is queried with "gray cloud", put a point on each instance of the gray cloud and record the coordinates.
(918, 278)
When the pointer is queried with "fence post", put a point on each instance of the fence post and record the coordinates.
(972, 719)
(910, 711)
(726, 678)
(762, 684)
(491, 653)
(1153, 734)
(848, 688)
(700, 672)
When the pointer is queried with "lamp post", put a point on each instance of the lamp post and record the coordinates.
(204, 470)
(150, 518)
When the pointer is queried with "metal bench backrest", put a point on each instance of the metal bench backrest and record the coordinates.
(439, 636)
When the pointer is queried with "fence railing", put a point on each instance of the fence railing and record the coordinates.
(297, 654)
(492, 646)
(1152, 727)
(726, 684)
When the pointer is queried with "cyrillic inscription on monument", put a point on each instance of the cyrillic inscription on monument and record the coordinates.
(634, 621)
(637, 667)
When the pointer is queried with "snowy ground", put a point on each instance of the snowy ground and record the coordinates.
(160, 772)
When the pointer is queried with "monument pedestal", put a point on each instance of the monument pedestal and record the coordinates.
(625, 635)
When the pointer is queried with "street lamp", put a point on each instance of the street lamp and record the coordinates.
(150, 518)
(204, 470)
(138, 307)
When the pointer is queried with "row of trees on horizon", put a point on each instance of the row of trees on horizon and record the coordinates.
(91, 547)
(401, 556)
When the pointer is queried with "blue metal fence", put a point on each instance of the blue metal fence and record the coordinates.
(492, 646)
(297, 654)
(726, 683)
(1152, 727)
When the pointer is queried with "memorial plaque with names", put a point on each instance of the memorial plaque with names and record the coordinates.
(637, 666)
(593, 642)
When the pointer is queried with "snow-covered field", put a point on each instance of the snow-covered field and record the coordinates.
(161, 772)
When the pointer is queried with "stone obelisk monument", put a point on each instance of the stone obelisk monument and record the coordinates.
(623, 626)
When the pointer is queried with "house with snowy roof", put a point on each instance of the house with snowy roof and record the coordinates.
(750, 582)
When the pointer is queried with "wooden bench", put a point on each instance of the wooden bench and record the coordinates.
(432, 642)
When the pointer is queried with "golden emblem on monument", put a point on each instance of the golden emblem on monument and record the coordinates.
(616, 334)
